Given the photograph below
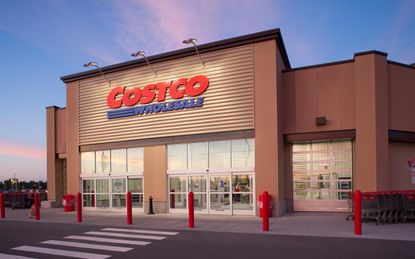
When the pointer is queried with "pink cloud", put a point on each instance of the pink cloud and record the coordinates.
(22, 151)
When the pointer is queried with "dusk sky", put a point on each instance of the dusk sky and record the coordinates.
(40, 41)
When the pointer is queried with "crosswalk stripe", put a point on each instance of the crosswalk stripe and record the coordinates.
(141, 231)
(123, 235)
(85, 245)
(56, 252)
(9, 256)
(109, 240)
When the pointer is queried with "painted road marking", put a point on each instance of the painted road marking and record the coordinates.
(56, 252)
(85, 245)
(109, 240)
(8, 256)
(141, 231)
(124, 235)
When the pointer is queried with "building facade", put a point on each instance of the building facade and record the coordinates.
(229, 125)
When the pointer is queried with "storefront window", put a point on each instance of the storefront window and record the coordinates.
(102, 187)
(219, 154)
(118, 161)
(198, 155)
(243, 153)
(118, 193)
(135, 186)
(135, 160)
(178, 192)
(177, 157)
(88, 162)
(102, 161)
(88, 192)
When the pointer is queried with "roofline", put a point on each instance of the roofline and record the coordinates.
(204, 48)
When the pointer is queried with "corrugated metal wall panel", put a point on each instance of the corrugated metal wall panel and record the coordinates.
(228, 103)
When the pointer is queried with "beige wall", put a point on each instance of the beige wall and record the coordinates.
(60, 128)
(155, 177)
(266, 130)
(401, 83)
(399, 154)
(73, 156)
(51, 152)
(323, 91)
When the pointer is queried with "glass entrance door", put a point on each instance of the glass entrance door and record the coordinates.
(322, 175)
(220, 201)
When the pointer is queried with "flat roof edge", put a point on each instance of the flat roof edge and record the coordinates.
(204, 48)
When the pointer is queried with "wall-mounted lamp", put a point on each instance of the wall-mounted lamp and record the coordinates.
(142, 54)
(321, 121)
(94, 64)
(193, 41)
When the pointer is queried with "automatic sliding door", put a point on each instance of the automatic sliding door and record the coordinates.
(220, 202)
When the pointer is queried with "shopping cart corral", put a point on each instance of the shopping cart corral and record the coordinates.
(386, 207)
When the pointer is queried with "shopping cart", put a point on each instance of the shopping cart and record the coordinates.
(409, 206)
(371, 207)
(350, 202)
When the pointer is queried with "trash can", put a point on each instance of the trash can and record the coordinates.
(68, 202)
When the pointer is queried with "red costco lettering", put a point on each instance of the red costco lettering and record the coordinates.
(178, 89)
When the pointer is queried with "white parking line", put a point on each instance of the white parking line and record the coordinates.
(124, 235)
(141, 231)
(8, 256)
(85, 245)
(109, 240)
(56, 252)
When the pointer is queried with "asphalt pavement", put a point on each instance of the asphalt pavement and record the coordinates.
(54, 240)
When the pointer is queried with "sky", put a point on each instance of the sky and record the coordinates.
(40, 41)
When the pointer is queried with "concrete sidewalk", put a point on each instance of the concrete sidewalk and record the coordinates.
(299, 224)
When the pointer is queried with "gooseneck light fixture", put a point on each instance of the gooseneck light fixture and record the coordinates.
(94, 64)
(142, 54)
(193, 41)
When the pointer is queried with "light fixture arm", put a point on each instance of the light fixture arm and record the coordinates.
(198, 54)
(102, 73)
(142, 53)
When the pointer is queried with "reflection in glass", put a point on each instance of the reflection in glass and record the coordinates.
(118, 161)
(243, 153)
(198, 155)
(135, 185)
(88, 162)
(118, 185)
(103, 161)
(135, 160)
(220, 154)
(178, 201)
(137, 200)
(177, 156)
(88, 200)
(200, 201)
(102, 186)
(242, 201)
(88, 186)
(241, 183)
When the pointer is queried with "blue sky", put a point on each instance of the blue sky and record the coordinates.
(40, 41)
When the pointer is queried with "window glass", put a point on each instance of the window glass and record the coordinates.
(219, 154)
(198, 155)
(102, 186)
(88, 186)
(243, 153)
(135, 185)
(103, 161)
(118, 161)
(197, 184)
(88, 162)
(135, 158)
(242, 183)
(118, 185)
(178, 184)
(219, 183)
(177, 156)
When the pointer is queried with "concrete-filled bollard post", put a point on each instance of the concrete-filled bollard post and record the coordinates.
(37, 206)
(191, 210)
(358, 212)
(79, 207)
(265, 218)
(150, 205)
(129, 209)
(2, 209)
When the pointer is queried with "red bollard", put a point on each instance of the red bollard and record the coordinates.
(79, 207)
(191, 210)
(37, 206)
(129, 209)
(265, 218)
(358, 212)
(2, 210)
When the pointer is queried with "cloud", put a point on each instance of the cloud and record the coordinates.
(22, 151)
